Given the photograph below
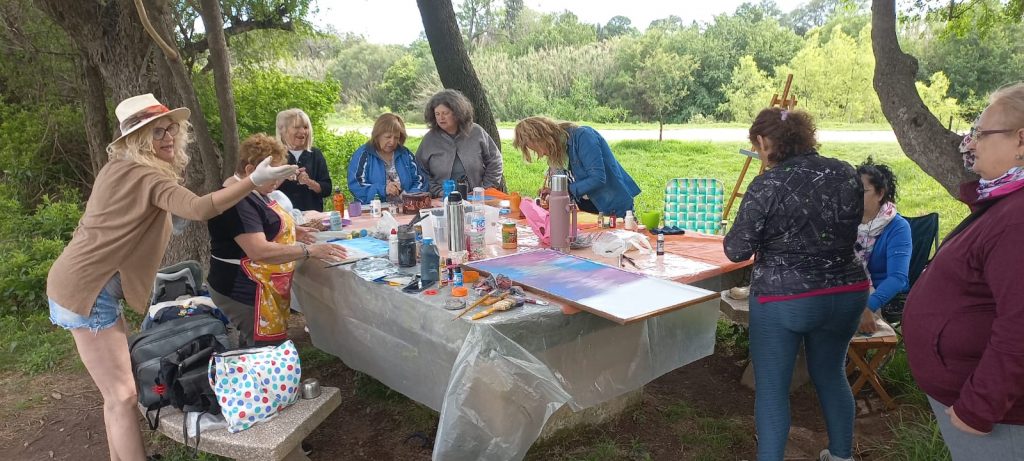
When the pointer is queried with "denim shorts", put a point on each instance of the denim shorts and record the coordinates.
(105, 311)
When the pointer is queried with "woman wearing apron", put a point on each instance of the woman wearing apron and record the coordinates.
(254, 249)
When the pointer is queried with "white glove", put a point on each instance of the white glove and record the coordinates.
(266, 174)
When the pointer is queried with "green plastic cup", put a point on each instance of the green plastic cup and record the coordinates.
(651, 219)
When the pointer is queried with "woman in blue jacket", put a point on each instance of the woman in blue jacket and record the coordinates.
(597, 182)
(383, 166)
(883, 240)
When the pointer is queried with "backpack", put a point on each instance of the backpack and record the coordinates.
(170, 360)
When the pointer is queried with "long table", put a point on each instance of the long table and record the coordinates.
(496, 381)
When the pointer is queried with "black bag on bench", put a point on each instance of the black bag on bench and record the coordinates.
(170, 362)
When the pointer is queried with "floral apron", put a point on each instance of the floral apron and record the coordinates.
(273, 284)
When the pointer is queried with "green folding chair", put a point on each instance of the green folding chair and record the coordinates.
(694, 204)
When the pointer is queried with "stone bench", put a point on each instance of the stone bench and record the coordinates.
(276, 439)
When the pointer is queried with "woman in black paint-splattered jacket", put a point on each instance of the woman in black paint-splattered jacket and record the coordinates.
(799, 221)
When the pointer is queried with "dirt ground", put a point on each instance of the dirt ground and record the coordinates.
(699, 411)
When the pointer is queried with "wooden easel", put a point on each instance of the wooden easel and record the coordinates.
(786, 102)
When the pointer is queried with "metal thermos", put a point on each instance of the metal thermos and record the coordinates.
(455, 222)
(558, 207)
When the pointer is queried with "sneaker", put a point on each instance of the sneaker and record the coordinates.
(307, 449)
(826, 455)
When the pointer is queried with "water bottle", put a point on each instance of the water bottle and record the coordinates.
(455, 225)
(430, 261)
(558, 206)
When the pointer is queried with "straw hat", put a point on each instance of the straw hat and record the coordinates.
(135, 112)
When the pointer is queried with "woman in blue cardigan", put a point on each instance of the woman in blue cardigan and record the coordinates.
(597, 182)
(383, 166)
(883, 240)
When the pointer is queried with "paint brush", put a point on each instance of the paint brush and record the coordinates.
(476, 303)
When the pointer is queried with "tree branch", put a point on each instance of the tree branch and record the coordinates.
(237, 27)
(171, 53)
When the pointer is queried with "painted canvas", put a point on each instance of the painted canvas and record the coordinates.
(362, 247)
(610, 292)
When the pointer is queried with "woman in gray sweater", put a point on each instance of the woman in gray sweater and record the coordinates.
(455, 147)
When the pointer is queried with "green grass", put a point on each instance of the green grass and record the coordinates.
(916, 437)
(30, 344)
(335, 122)
(705, 436)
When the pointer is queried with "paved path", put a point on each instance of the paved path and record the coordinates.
(697, 134)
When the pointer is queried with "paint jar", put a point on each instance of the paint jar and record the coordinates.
(355, 209)
(509, 236)
(336, 222)
(406, 247)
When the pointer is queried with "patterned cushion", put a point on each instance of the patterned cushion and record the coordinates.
(694, 204)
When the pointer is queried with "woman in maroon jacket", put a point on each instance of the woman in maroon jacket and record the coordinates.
(964, 319)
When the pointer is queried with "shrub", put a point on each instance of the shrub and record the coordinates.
(261, 94)
(338, 149)
(29, 243)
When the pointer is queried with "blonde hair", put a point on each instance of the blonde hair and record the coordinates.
(287, 119)
(138, 147)
(550, 135)
(386, 124)
(257, 147)
(1010, 100)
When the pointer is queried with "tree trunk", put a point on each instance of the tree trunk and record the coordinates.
(97, 118)
(219, 61)
(921, 136)
(661, 128)
(452, 61)
(110, 35)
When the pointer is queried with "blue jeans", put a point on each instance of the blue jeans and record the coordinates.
(825, 324)
(106, 310)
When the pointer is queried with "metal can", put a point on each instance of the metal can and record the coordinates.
(509, 236)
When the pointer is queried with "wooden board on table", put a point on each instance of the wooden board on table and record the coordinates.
(615, 294)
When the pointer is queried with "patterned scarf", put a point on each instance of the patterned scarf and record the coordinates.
(1009, 182)
(868, 232)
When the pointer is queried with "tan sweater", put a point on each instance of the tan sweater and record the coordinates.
(125, 229)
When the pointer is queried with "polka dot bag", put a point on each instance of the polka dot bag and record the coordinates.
(252, 385)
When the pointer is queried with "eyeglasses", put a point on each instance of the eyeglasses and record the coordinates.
(172, 129)
(975, 134)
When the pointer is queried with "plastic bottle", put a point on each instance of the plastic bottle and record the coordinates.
(457, 277)
(558, 206)
(629, 222)
(660, 248)
(339, 201)
(611, 221)
(476, 235)
(429, 262)
(504, 211)
(375, 210)
(393, 247)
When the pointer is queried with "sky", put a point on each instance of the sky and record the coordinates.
(398, 21)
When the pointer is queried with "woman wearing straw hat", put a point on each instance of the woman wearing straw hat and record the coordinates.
(116, 250)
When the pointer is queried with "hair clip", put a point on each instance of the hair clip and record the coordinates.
(785, 115)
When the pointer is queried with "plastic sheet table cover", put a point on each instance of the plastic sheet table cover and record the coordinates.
(495, 381)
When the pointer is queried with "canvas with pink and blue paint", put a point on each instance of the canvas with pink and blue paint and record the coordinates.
(610, 292)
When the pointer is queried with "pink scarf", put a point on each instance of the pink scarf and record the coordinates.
(1009, 182)
(868, 232)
